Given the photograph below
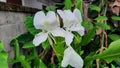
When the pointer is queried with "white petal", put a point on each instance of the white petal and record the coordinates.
(61, 13)
(72, 58)
(70, 15)
(52, 19)
(68, 38)
(80, 29)
(58, 32)
(68, 18)
(78, 15)
(39, 38)
(39, 19)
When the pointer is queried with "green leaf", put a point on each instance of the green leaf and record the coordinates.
(79, 5)
(3, 56)
(87, 24)
(101, 18)
(1, 46)
(45, 44)
(68, 4)
(30, 26)
(51, 8)
(88, 37)
(96, 8)
(115, 17)
(103, 25)
(114, 37)
(24, 63)
(42, 65)
(59, 48)
(3, 59)
(28, 45)
(110, 54)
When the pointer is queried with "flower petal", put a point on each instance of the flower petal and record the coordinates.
(52, 19)
(72, 58)
(68, 17)
(68, 38)
(39, 19)
(80, 29)
(78, 15)
(39, 38)
(58, 32)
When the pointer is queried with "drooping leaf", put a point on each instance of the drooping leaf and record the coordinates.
(103, 25)
(30, 26)
(114, 37)
(115, 18)
(28, 45)
(94, 7)
(101, 18)
(110, 54)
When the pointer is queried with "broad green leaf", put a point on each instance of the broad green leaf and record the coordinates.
(88, 37)
(110, 54)
(115, 17)
(101, 18)
(114, 37)
(28, 45)
(45, 44)
(103, 25)
(42, 65)
(94, 7)
(30, 26)
(68, 4)
(51, 8)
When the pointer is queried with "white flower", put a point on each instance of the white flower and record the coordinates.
(71, 58)
(48, 23)
(71, 22)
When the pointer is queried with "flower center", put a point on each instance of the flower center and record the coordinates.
(46, 26)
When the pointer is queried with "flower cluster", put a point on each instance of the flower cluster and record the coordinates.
(49, 24)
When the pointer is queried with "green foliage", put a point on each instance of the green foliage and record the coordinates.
(30, 26)
(79, 5)
(101, 18)
(3, 56)
(28, 45)
(88, 37)
(45, 44)
(110, 54)
(42, 65)
(94, 7)
(103, 25)
(51, 8)
(68, 4)
(116, 18)
(114, 37)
